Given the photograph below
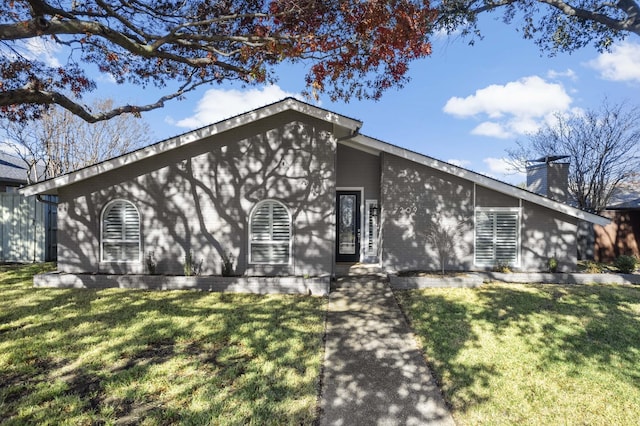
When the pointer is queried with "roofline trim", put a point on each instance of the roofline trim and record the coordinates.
(478, 178)
(51, 186)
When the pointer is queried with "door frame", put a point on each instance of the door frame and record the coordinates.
(339, 189)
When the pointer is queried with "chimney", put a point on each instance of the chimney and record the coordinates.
(549, 176)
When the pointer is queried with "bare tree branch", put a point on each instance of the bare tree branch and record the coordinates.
(555, 24)
(604, 147)
(61, 142)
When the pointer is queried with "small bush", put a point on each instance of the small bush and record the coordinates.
(151, 262)
(626, 264)
(190, 265)
(503, 267)
(227, 265)
(553, 264)
(591, 267)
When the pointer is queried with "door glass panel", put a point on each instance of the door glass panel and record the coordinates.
(347, 224)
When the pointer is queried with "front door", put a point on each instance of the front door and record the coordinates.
(348, 226)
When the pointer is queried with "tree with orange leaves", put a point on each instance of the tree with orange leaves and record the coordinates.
(354, 49)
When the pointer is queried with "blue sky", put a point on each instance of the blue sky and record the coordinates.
(465, 104)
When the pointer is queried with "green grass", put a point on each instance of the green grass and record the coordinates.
(155, 357)
(533, 354)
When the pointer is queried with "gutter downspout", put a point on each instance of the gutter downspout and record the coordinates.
(42, 200)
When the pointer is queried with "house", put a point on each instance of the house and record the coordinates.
(27, 231)
(294, 189)
(622, 235)
(13, 172)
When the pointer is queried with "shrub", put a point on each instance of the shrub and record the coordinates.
(553, 264)
(227, 265)
(503, 267)
(190, 266)
(626, 264)
(591, 267)
(151, 262)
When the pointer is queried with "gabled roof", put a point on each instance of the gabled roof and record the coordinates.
(346, 125)
(375, 146)
(13, 168)
(626, 197)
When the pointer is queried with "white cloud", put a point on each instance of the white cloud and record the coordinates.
(491, 129)
(38, 48)
(498, 165)
(500, 168)
(42, 49)
(515, 108)
(106, 78)
(218, 104)
(621, 64)
(459, 163)
(568, 73)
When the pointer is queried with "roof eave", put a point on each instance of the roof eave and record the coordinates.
(51, 186)
(479, 179)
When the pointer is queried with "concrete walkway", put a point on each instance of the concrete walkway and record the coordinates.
(374, 373)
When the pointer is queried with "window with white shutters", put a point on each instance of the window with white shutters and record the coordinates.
(270, 233)
(371, 230)
(120, 232)
(497, 236)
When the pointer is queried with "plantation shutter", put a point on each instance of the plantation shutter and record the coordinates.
(270, 234)
(371, 231)
(120, 232)
(496, 237)
(484, 239)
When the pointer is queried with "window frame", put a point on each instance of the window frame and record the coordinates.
(288, 243)
(518, 245)
(371, 227)
(107, 208)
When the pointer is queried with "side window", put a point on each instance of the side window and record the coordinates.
(270, 234)
(371, 231)
(120, 232)
(497, 237)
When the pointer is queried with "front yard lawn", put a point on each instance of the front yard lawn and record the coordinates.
(155, 357)
(533, 354)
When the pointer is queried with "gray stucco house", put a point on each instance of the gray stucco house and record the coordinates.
(294, 189)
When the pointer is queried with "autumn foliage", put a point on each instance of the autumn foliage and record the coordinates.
(352, 49)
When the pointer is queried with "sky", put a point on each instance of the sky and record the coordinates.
(464, 104)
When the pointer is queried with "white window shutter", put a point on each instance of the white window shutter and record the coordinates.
(506, 238)
(120, 232)
(497, 237)
(261, 223)
(484, 239)
(270, 234)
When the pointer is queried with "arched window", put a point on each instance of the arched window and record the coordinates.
(270, 233)
(120, 232)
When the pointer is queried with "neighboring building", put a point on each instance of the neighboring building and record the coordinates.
(27, 226)
(622, 235)
(13, 172)
(293, 189)
(549, 176)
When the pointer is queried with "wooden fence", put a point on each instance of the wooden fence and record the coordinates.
(27, 229)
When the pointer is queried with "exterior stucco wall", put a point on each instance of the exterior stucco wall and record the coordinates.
(486, 197)
(545, 234)
(358, 169)
(415, 199)
(199, 197)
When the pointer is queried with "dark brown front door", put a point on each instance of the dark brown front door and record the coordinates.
(348, 226)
